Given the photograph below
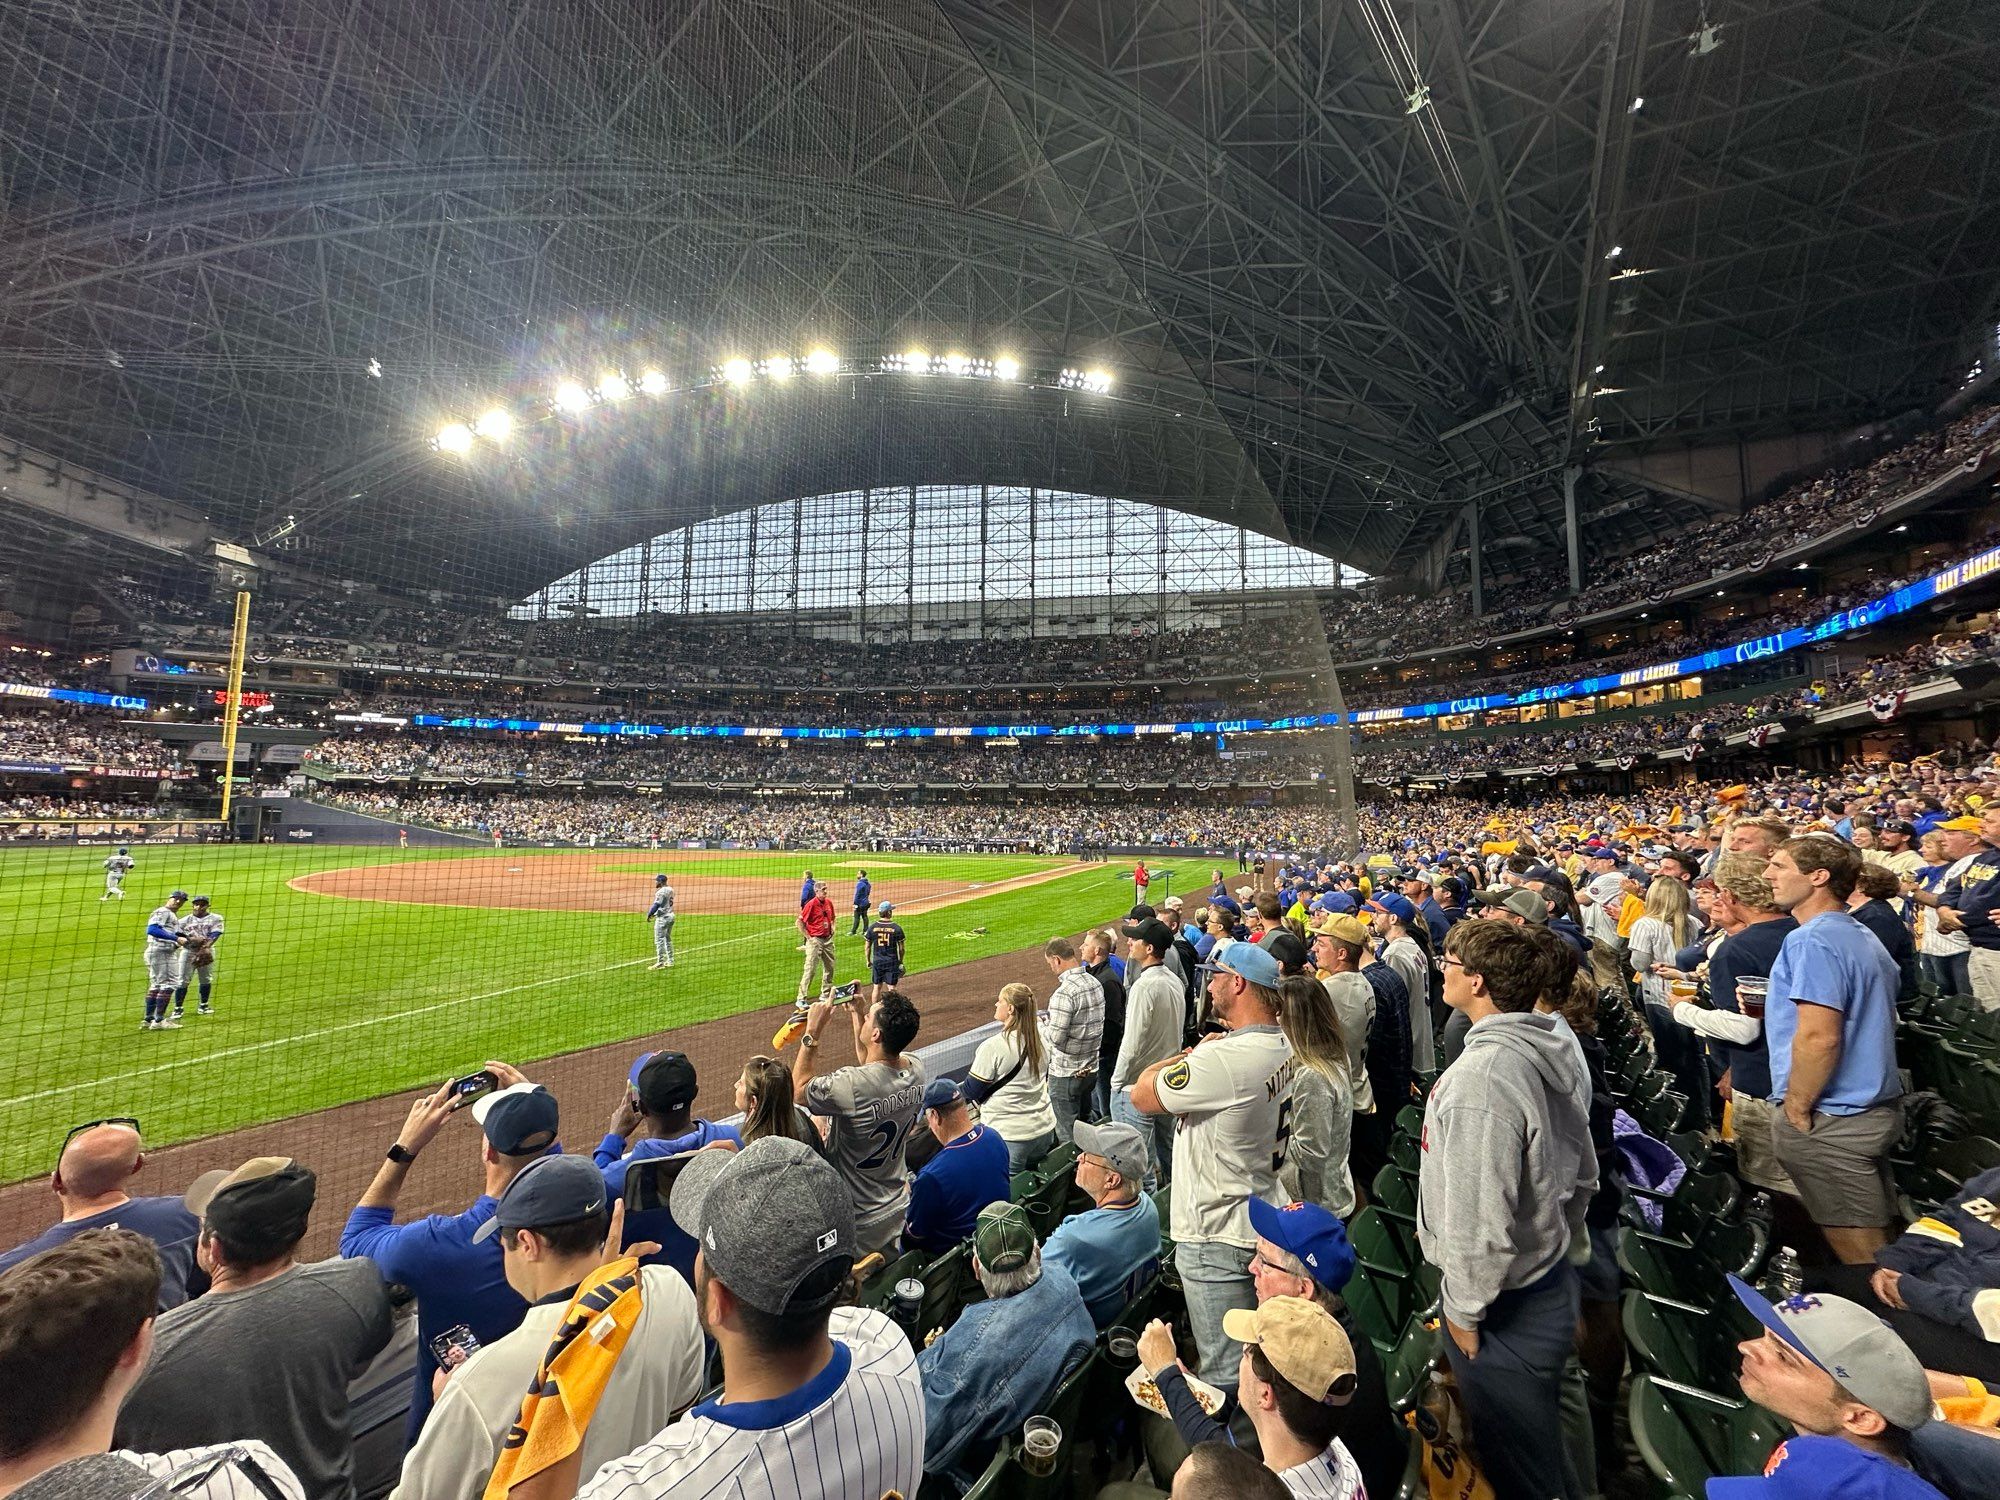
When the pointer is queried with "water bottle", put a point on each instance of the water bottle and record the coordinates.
(1759, 1209)
(1782, 1277)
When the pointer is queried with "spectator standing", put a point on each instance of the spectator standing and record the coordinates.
(1756, 929)
(968, 1172)
(1944, 955)
(1507, 1173)
(1895, 848)
(1231, 1096)
(884, 942)
(269, 1352)
(1155, 1008)
(1113, 1249)
(1322, 1119)
(1393, 919)
(871, 1107)
(800, 1376)
(1339, 941)
(815, 923)
(1875, 887)
(1009, 1080)
(1854, 1425)
(1073, 1030)
(455, 1277)
(1831, 1018)
(92, 1168)
(551, 1224)
(76, 1331)
(864, 892)
(994, 1367)
(1097, 962)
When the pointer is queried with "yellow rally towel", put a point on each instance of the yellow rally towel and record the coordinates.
(580, 1358)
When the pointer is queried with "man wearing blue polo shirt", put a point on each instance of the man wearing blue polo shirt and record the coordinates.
(455, 1279)
(1830, 1020)
(968, 1172)
(1113, 1250)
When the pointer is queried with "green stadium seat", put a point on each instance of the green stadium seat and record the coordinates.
(1406, 1154)
(1666, 1269)
(1383, 1243)
(1697, 1199)
(1687, 1436)
(1683, 1341)
(1660, 1116)
(1410, 1121)
(1394, 1192)
(1407, 1371)
(949, 1286)
(1381, 1303)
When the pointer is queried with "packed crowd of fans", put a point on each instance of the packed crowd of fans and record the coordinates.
(1378, 622)
(88, 737)
(1663, 1025)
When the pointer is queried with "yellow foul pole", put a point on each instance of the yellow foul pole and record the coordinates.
(232, 707)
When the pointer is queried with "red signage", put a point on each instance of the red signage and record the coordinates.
(250, 700)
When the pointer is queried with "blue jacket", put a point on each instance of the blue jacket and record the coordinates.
(862, 890)
(1950, 1260)
(945, 1199)
(992, 1369)
(455, 1281)
(677, 1246)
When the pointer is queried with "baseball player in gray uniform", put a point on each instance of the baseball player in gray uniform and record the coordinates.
(201, 930)
(116, 868)
(662, 913)
(163, 960)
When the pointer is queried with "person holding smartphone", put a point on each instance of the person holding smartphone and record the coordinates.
(550, 1226)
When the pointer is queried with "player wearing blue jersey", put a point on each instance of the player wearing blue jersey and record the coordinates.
(164, 945)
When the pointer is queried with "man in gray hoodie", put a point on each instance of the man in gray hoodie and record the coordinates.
(1507, 1172)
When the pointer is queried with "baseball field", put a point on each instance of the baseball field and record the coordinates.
(348, 973)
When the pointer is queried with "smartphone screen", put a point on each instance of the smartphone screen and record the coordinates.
(647, 1183)
(454, 1346)
(473, 1086)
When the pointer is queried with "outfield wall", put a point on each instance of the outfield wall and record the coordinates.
(296, 820)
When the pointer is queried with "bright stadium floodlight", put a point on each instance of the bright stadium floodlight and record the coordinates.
(496, 425)
(454, 437)
(653, 383)
(572, 397)
(779, 367)
(822, 362)
(612, 386)
(1098, 380)
(916, 362)
(1006, 367)
(957, 364)
(738, 371)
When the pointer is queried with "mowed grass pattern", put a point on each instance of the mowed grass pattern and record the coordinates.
(326, 1000)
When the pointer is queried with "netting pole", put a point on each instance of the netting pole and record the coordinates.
(232, 703)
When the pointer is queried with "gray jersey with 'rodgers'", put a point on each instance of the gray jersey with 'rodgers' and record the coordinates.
(873, 1108)
(1232, 1097)
(855, 1431)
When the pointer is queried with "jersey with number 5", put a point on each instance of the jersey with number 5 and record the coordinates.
(873, 1107)
(1232, 1099)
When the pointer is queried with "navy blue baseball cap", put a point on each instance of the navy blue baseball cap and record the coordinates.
(943, 1093)
(518, 1120)
(1311, 1233)
(554, 1190)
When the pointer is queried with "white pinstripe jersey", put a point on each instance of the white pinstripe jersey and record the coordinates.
(226, 1481)
(853, 1432)
(1332, 1476)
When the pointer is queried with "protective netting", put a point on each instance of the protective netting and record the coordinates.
(633, 374)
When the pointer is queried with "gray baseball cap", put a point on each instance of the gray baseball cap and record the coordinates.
(1528, 905)
(767, 1218)
(1120, 1145)
(551, 1190)
(1852, 1345)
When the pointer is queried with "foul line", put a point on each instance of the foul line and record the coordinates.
(366, 1021)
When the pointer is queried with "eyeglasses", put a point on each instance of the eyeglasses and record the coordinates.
(1453, 963)
(77, 1130)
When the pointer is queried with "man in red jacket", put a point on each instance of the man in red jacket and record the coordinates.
(816, 924)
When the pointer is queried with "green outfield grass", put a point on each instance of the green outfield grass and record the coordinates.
(325, 1000)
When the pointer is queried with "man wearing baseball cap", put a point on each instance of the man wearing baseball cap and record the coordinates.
(1851, 1388)
(1230, 1094)
(800, 1375)
(550, 1225)
(1340, 948)
(1155, 1018)
(967, 1172)
(655, 1114)
(1971, 893)
(1297, 1383)
(1394, 918)
(269, 1352)
(455, 1279)
(996, 1366)
(1112, 1250)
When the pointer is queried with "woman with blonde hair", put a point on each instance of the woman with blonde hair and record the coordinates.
(764, 1095)
(1009, 1080)
(1658, 935)
(1315, 1168)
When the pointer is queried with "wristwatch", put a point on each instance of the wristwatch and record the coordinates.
(808, 1040)
(400, 1156)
